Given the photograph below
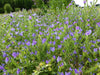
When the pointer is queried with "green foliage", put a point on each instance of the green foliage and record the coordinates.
(17, 9)
(43, 4)
(27, 4)
(7, 8)
(39, 3)
(93, 69)
(33, 6)
(53, 4)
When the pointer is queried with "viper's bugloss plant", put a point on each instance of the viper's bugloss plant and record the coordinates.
(63, 43)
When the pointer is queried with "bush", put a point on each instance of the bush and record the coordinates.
(7, 8)
(53, 4)
(39, 3)
(17, 9)
(1, 10)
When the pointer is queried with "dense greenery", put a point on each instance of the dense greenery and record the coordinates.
(61, 42)
(58, 3)
(28, 4)
(7, 8)
(17, 9)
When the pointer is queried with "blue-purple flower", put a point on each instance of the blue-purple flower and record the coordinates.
(28, 43)
(47, 61)
(71, 33)
(84, 1)
(35, 52)
(77, 27)
(34, 42)
(4, 74)
(88, 32)
(59, 46)
(98, 40)
(88, 20)
(31, 53)
(14, 54)
(57, 37)
(34, 14)
(70, 69)
(18, 71)
(61, 73)
(1, 67)
(54, 42)
(3, 41)
(67, 73)
(59, 58)
(95, 49)
(52, 49)
(33, 34)
(65, 38)
(30, 17)
(66, 22)
(4, 54)
(98, 24)
(6, 60)
(44, 40)
(54, 57)
(76, 71)
(74, 39)
(20, 15)
(75, 52)
(50, 42)
(95, 59)
(62, 64)
(19, 43)
(89, 60)
(40, 33)
(12, 29)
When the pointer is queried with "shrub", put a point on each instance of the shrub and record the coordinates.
(1, 10)
(39, 3)
(17, 9)
(53, 4)
(42, 4)
(7, 8)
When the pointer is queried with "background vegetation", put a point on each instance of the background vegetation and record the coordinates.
(28, 4)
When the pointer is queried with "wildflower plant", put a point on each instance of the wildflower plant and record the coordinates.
(65, 43)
